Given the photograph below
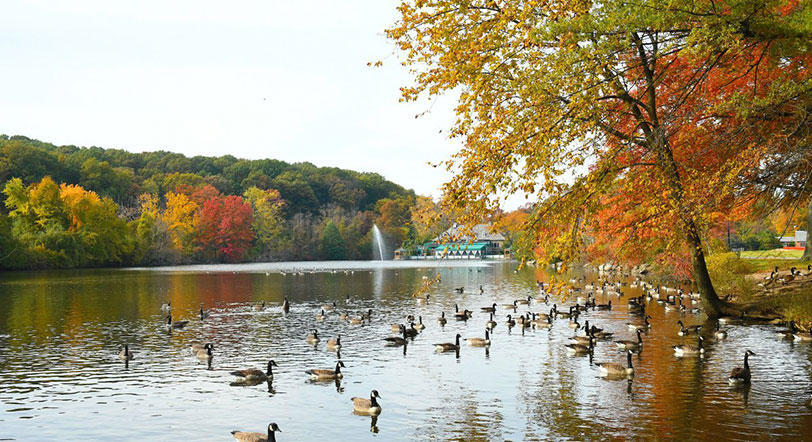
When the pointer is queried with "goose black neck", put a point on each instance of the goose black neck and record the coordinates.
(269, 373)
(373, 401)
(338, 367)
(746, 363)
(629, 359)
(271, 435)
(639, 336)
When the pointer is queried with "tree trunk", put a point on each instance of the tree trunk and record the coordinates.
(808, 250)
(714, 306)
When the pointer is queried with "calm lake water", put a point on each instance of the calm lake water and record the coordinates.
(61, 378)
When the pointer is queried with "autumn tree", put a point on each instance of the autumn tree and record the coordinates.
(662, 111)
(223, 228)
(268, 223)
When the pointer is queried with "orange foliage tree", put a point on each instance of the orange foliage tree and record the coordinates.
(639, 124)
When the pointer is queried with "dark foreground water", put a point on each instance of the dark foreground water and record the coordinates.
(61, 378)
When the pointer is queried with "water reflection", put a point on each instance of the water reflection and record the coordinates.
(61, 332)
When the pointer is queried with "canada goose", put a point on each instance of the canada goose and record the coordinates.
(601, 335)
(462, 316)
(580, 349)
(562, 314)
(442, 319)
(685, 331)
(788, 278)
(369, 406)
(204, 354)
(343, 316)
(334, 343)
(423, 300)
(511, 306)
(638, 325)
(490, 309)
(787, 334)
(166, 307)
(615, 369)
(320, 316)
(546, 322)
(285, 305)
(524, 301)
(253, 374)
(203, 315)
(175, 325)
(805, 336)
(632, 345)
(259, 307)
(326, 374)
(582, 340)
(243, 436)
(720, 334)
(479, 342)
(396, 340)
(510, 322)
(592, 329)
(411, 331)
(328, 307)
(689, 350)
(126, 354)
(356, 321)
(313, 338)
(459, 289)
(419, 325)
(741, 375)
(409, 318)
(491, 324)
(808, 271)
(607, 306)
(447, 346)
(574, 323)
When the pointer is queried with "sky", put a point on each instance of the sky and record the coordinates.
(253, 79)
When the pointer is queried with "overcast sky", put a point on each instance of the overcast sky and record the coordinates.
(254, 79)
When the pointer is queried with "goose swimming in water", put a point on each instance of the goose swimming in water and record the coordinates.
(367, 406)
(126, 354)
(326, 374)
(615, 369)
(243, 436)
(741, 375)
(447, 346)
(253, 374)
(689, 350)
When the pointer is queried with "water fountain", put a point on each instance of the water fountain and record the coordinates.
(377, 238)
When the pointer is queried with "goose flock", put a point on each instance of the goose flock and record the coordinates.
(587, 336)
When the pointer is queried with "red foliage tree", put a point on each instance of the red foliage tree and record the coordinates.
(224, 228)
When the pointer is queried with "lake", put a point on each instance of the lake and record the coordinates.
(61, 377)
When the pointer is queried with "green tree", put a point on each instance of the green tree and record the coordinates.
(332, 243)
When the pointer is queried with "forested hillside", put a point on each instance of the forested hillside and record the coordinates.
(69, 206)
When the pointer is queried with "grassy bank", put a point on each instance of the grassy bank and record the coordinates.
(742, 280)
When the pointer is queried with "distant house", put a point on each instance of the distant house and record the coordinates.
(799, 240)
(459, 243)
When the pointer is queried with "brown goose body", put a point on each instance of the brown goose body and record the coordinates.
(447, 346)
(126, 354)
(615, 369)
(244, 436)
(253, 374)
(629, 344)
(741, 375)
(334, 343)
(366, 406)
(326, 374)
(480, 342)
(205, 354)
